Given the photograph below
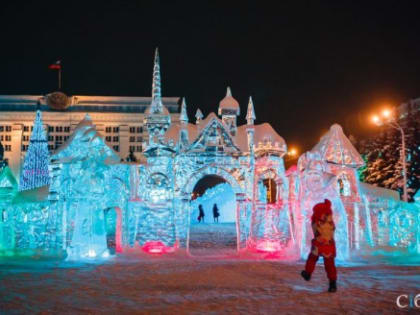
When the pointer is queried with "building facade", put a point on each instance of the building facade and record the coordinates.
(118, 119)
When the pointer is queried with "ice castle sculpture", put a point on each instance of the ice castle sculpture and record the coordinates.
(96, 205)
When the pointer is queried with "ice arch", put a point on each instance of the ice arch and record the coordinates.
(212, 170)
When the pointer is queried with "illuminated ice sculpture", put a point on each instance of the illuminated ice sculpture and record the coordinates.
(94, 204)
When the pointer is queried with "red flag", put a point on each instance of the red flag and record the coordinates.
(56, 65)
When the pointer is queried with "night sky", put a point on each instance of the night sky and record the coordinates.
(307, 64)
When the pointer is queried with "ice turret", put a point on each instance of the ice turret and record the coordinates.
(250, 114)
(198, 116)
(157, 118)
(229, 110)
(336, 148)
(156, 106)
(183, 117)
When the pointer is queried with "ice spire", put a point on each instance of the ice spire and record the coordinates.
(199, 116)
(156, 106)
(228, 92)
(250, 114)
(183, 117)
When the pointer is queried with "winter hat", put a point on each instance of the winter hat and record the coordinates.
(321, 209)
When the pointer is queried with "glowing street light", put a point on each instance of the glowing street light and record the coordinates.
(292, 152)
(390, 120)
(386, 113)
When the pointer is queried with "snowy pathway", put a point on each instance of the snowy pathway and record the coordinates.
(217, 238)
(213, 281)
(179, 284)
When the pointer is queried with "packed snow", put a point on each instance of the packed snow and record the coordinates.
(213, 279)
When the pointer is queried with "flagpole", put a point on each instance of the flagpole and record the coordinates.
(59, 78)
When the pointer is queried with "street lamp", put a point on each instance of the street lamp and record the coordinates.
(292, 152)
(388, 118)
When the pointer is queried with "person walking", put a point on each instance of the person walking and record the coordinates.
(216, 213)
(200, 214)
(323, 244)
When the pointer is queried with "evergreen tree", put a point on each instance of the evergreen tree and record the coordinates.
(35, 168)
(410, 124)
(382, 155)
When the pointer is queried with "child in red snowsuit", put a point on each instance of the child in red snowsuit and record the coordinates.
(323, 243)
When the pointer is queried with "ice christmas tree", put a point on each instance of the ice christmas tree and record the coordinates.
(35, 168)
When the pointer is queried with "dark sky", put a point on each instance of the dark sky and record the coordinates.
(307, 64)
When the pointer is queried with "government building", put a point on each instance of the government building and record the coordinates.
(118, 118)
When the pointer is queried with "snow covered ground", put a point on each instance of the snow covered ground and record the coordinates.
(219, 282)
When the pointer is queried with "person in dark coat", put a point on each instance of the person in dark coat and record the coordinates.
(201, 213)
(216, 213)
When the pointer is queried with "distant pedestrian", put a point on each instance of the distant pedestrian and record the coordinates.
(201, 213)
(216, 213)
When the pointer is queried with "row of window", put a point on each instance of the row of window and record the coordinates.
(58, 128)
(5, 128)
(117, 129)
(112, 139)
(5, 138)
(133, 139)
(31, 128)
(51, 147)
(133, 148)
(117, 139)
(112, 129)
(7, 147)
(58, 138)
(67, 129)
(134, 129)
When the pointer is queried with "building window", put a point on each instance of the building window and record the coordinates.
(132, 139)
(115, 139)
(116, 148)
(108, 129)
(132, 148)
(59, 129)
(116, 129)
(50, 138)
(25, 138)
(65, 138)
(7, 148)
(1, 128)
(108, 138)
(25, 147)
(58, 138)
(132, 129)
(67, 129)
(139, 139)
(25, 128)
(50, 147)
(139, 129)
(50, 128)
(1, 138)
(9, 128)
(8, 138)
(32, 128)
(138, 148)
